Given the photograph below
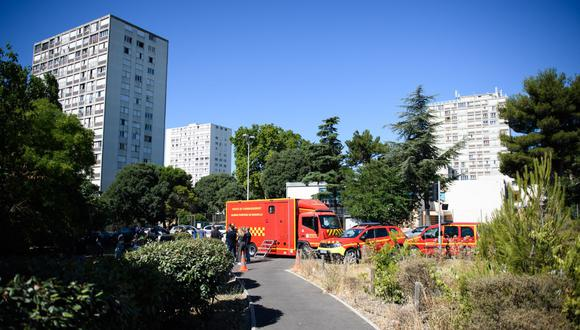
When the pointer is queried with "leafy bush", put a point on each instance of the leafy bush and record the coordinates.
(386, 285)
(418, 269)
(193, 270)
(571, 265)
(37, 304)
(182, 235)
(510, 301)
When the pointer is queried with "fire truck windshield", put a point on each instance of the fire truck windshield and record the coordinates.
(329, 222)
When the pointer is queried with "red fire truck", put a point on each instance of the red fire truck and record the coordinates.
(283, 225)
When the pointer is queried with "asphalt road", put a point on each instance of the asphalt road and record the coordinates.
(285, 301)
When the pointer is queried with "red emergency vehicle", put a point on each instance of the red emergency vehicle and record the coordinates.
(290, 223)
(455, 238)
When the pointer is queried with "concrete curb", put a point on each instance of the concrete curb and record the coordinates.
(250, 304)
(338, 299)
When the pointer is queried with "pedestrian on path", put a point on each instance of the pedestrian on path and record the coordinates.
(231, 239)
(247, 240)
(241, 244)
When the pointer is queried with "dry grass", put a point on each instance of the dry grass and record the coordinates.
(351, 284)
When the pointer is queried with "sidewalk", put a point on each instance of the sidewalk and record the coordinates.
(285, 301)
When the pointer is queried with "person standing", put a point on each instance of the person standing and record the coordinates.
(231, 239)
(120, 248)
(241, 244)
(247, 240)
(215, 233)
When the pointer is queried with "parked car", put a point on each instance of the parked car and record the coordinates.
(415, 231)
(221, 228)
(347, 247)
(155, 232)
(455, 238)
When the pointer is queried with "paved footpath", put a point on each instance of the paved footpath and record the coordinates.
(284, 301)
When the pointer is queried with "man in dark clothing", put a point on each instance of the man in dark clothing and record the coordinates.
(231, 239)
(215, 233)
(247, 240)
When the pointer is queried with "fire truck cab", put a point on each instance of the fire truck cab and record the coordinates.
(291, 223)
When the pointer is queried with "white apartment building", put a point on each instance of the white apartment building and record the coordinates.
(113, 76)
(199, 149)
(475, 119)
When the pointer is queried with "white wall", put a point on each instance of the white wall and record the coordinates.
(302, 191)
(475, 200)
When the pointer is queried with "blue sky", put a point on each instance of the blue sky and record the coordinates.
(294, 63)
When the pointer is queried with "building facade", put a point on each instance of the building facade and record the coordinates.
(113, 76)
(478, 192)
(474, 119)
(199, 149)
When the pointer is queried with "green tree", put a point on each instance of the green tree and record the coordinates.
(289, 165)
(45, 158)
(418, 157)
(215, 190)
(326, 160)
(148, 194)
(362, 148)
(268, 139)
(547, 119)
(377, 192)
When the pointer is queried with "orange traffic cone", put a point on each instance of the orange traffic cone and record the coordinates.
(296, 266)
(243, 267)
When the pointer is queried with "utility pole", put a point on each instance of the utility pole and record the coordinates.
(248, 139)
(439, 213)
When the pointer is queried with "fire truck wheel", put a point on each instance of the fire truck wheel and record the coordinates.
(253, 249)
(307, 251)
(350, 257)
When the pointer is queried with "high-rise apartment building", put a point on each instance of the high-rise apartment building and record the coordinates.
(199, 149)
(113, 76)
(475, 119)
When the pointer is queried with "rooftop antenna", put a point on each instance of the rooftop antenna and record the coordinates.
(497, 93)
(457, 94)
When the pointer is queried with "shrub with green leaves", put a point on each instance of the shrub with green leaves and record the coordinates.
(386, 285)
(193, 270)
(509, 301)
(31, 303)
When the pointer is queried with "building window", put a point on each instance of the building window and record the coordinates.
(128, 39)
(151, 49)
(126, 50)
(148, 115)
(148, 127)
(137, 100)
(138, 78)
(122, 146)
(150, 59)
(147, 138)
(140, 44)
(150, 71)
(104, 33)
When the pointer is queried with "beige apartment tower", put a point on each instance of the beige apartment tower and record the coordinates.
(113, 75)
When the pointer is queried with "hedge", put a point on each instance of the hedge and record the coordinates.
(148, 288)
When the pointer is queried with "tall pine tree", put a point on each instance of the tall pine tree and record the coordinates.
(547, 120)
(418, 156)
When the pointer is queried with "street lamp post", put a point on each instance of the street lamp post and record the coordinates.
(248, 139)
